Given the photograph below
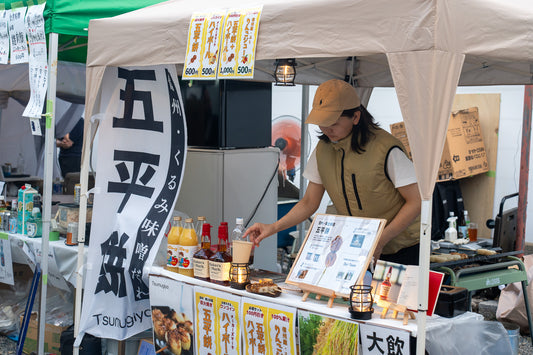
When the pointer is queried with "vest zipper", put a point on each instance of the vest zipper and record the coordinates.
(356, 192)
(343, 184)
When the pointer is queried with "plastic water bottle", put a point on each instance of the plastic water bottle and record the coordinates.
(237, 232)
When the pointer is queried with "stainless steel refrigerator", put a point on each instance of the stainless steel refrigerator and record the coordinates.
(223, 184)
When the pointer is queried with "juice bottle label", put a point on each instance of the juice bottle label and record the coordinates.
(219, 271)
(384, 291)
(201, 268)
(186, 255)
(173, 255)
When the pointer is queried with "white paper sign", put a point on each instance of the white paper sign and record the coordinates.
(35, 126)
(6, 264)
(38, 64)
(141, 155)
(172, 311)
(382, 340)
(17, 36)
(335, 251)
(4, 37)
(36, 34)
(38, 83)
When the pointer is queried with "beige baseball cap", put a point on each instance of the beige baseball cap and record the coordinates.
(331, 98)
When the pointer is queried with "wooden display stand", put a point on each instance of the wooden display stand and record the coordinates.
(395, 308)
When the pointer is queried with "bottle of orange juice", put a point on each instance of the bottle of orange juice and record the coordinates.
(173, 244)
(188, 245)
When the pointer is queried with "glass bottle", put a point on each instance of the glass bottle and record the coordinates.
(188, 245)
(461, 226)
(385, 286)
(198, 227)
(220, 262)
(201, 257)
(173, 244)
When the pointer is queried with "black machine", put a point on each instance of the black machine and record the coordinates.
(504, 226)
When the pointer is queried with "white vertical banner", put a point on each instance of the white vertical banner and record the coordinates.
(4, 37)
(38, 63)
(141, 157)
(17, 36)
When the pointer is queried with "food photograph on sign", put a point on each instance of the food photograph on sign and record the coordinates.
(324, 335)
(172, 309)
(173, 331)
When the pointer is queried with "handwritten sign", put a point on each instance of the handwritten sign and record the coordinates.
(4, 37)
(17, 36)
(38, 64)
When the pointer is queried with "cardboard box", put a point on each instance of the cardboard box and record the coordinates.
(464, 151)
(51, 338)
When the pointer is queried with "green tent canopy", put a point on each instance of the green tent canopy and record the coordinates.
(70, 19)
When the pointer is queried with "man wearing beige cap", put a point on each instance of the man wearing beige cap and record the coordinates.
(364, 170)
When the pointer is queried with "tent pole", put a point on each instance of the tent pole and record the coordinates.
(423, 282)
(524, 169)
(47, 185)
(303, 155)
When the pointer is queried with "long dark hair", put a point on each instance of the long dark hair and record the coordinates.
(361, 132)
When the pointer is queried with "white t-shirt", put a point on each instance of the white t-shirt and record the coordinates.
(400, 169)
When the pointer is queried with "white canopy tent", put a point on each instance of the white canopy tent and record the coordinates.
(16, 141)
(423, 48)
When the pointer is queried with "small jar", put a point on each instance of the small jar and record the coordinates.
(72, 234)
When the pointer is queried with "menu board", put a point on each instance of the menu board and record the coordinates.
(335, 254)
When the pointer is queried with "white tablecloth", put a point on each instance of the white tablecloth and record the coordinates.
(62, 261)
(464, 334)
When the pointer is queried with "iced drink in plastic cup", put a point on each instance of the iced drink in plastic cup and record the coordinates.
(241, 251)
(472, 232)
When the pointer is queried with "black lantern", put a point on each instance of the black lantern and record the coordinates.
(239, 275)
(285, 72)
(361, 302)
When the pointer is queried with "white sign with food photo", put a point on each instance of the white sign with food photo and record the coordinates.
(172, 316)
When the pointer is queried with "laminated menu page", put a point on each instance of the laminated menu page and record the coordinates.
(335, 254)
